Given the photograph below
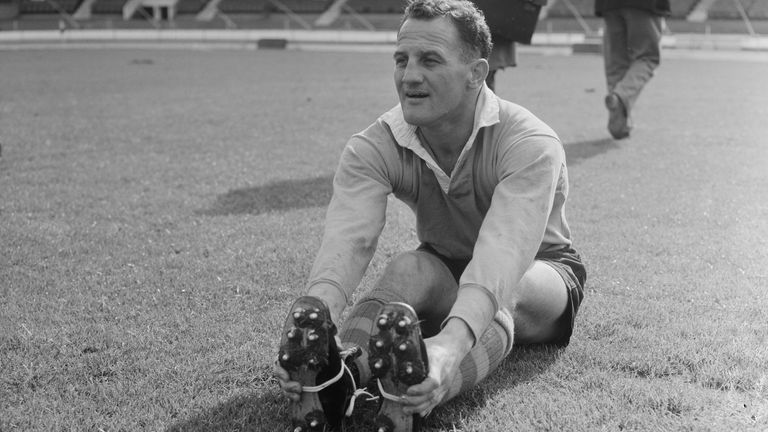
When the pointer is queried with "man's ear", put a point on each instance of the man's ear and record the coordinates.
(478, 72)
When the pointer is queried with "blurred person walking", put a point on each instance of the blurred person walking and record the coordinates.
(631, 52)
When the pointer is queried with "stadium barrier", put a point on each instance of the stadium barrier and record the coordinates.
(276, 38)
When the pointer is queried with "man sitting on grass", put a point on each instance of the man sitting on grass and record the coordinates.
(488, 183)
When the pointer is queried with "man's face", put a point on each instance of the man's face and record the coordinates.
(431, 78)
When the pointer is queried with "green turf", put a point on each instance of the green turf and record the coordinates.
(160, 210)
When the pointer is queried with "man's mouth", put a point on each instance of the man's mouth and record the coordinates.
(416, 94)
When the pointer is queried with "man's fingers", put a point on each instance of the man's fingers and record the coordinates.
(412, 401)
(291, 389)
(280, 373)
(423, 407)
(290, 386)
(423, 388)
(294, 397)
(423, 397)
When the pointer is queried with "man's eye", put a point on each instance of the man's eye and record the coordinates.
(401, 61)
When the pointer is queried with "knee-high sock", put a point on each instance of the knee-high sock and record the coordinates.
(356, 329)
(486, 356)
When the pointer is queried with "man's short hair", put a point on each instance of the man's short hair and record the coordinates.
(468, 19)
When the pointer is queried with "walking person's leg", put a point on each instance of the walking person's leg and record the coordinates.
(644, 49)
(616, 58)
(616, 63)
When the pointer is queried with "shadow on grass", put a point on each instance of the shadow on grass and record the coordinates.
(245, 413)
(579, 151)
(316, 192)
(277, 196)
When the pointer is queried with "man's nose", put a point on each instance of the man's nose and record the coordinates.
(412, 73)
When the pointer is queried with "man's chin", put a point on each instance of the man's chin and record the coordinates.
(414, 118)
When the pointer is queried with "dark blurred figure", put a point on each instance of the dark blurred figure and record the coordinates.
(510, 21)
(632, 51)
(502, 55)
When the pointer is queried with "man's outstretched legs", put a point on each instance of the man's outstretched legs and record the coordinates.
(532, 312)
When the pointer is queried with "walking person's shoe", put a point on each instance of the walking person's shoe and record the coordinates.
(618, 120)
(310, 354)
(398, 359)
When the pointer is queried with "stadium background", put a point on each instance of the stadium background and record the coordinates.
(747, 17)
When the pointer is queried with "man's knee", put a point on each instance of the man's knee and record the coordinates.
(413, 266)
(398, 280)
(419, 279)
(538, 303)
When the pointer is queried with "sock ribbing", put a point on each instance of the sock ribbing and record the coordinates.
(486, 356)
(356, 330)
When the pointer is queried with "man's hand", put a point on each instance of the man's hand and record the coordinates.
(291, 389)
(445, 353)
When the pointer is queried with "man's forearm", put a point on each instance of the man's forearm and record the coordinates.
(457, 337)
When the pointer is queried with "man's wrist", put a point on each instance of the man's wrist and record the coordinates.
(458, 334)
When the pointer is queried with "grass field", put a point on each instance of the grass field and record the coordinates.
(159, 211)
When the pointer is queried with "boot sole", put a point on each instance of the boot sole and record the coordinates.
(396, 358)
(304, 352)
